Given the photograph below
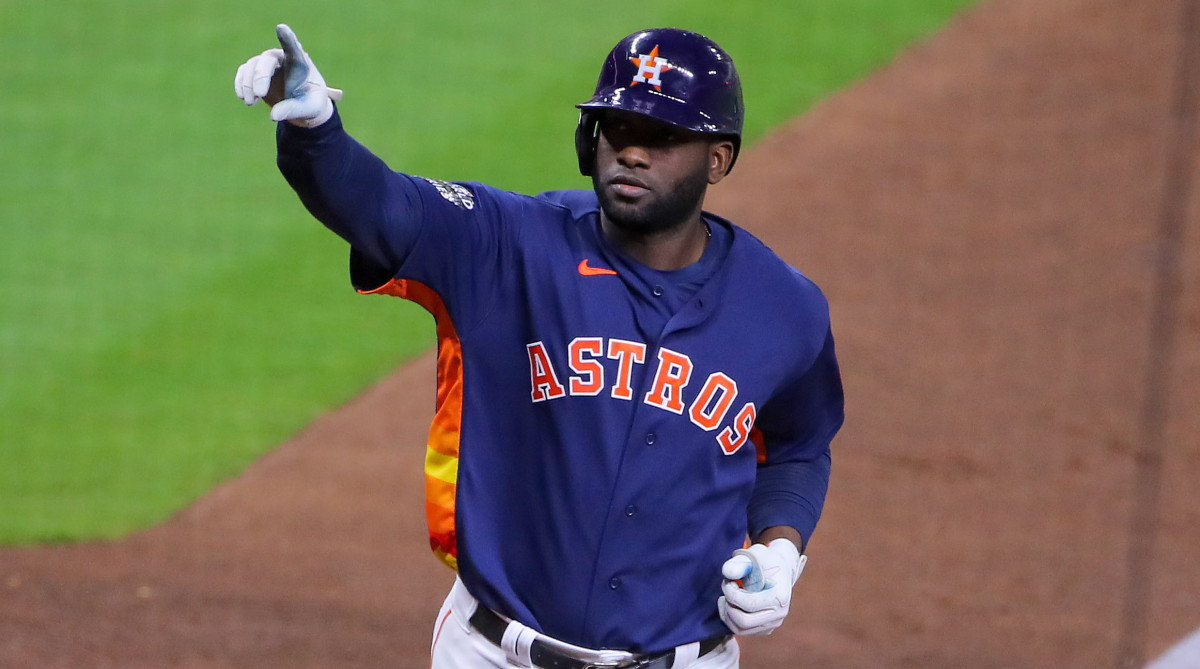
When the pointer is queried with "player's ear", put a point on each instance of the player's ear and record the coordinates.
(720, 159)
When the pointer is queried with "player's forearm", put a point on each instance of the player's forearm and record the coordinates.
(789, 494)
(315, 164)
(345, 186)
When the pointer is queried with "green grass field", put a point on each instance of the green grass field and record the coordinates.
(168, 310)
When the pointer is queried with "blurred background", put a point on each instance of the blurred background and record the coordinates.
(168, 310)
(997, 197)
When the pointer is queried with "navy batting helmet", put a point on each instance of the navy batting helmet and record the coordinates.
(676, 76)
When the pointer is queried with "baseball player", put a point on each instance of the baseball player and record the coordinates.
(636, 398)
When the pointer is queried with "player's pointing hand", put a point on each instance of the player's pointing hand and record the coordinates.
(288, 81)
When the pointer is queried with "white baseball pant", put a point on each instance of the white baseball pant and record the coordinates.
(456, 645)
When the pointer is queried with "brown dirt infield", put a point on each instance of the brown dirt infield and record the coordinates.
(1002, 220)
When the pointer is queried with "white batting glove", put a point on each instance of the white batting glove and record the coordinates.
(767, 573)
(288, 81)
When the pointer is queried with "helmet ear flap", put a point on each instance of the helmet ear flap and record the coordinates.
(585, 141)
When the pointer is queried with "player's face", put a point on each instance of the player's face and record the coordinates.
(651, 176)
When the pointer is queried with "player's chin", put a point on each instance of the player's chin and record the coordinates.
(633, 216)
(641, 211)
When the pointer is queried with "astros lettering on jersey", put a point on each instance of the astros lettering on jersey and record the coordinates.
(670, 377)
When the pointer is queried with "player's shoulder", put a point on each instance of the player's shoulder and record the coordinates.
(576, 202)
(556, 204)
(758, 265)
(573, 199)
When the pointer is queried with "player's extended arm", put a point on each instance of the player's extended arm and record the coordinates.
(287, 80)
(341, 183)
(758, 582)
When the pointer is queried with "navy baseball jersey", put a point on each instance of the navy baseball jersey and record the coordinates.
(606, 434)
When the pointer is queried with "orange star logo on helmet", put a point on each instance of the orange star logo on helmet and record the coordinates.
(650, 68)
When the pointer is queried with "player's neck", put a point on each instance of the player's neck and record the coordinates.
(669, 249)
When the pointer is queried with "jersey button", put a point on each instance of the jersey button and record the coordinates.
(614, 583)
(658, 290)
(631, 510)
(650, 437)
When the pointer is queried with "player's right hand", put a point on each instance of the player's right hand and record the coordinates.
(757, 586)
(288, 81)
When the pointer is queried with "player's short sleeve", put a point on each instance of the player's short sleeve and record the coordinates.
(803, 418)
(457, 238)
(453, 237)
(797, 427)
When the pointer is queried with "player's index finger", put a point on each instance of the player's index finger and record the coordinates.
(289, 42)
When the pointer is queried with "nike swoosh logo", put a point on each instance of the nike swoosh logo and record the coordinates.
(588, 270)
